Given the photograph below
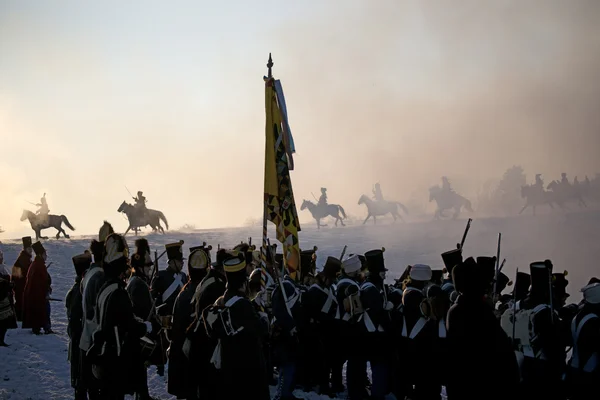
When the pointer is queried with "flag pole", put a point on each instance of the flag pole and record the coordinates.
(263, 251)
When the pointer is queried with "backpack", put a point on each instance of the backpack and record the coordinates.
(219, 324)
(353, 307)
(103, 353)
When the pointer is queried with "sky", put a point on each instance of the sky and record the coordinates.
(168, 98)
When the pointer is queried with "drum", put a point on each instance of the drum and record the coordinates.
(147, 347)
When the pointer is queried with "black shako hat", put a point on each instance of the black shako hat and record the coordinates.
(541, 272)
(375, 262)
(308, 261)
(175, 251)
(27, 242)
(81, 263)
(521, 288)
(332, 267)
(451, 259)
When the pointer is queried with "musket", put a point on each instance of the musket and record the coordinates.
(502, 265)
(462, 242)
(155, 267)
(514, 319)
(497, 265)
(279, 280)
(53, 299)
(343, 252)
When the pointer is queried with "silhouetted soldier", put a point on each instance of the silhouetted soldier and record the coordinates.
(43, 207)
(323, 198)
(564, 180)
(377, 192)
(140, 203)
(446, 187)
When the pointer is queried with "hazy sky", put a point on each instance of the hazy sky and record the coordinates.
(168, 98)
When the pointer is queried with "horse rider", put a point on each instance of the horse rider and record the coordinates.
(377, 192)
(323, 198)
(564, 180)
(43, 207)
(446, 185)
(140, 203)
(539, 181)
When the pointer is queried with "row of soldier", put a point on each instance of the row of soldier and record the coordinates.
(224, 334)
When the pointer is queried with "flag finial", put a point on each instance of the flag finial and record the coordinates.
(270, 65)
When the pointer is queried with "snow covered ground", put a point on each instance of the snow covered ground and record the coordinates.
(36, 367)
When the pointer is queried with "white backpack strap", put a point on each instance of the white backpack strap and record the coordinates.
(415, 329)
(592, 362)
(232, 301)
(442, 329)
(175, 285)
(86, 280)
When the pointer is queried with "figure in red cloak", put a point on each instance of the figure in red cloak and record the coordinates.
(35, 296)
(19, 275)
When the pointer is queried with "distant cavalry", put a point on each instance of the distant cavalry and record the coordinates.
(558, 193)
(141, 217)
(380, 208)
(323, 211)
(447, 199)
(41, 222)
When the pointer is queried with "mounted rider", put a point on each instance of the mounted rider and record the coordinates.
(564, 180)
(323, 198)
(140, 204)
(43, 207)
(377, 195)
(446, 187)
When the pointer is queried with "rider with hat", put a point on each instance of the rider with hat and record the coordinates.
(323, 198)
(43, 206)
(140, 203)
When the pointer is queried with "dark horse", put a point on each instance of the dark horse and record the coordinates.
(41, 222)
(320, 212)
(448, 200)
(537, 196)
(151, 217)
(379, 208)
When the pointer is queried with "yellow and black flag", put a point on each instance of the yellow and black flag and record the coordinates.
(280, 206)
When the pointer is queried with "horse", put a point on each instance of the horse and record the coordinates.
(41, 222)
(380, 208)
(319, 212)
(151, 217)
(448, 200)
(563, 193)
(536, 196)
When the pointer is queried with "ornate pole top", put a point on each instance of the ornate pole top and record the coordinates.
(270, 65)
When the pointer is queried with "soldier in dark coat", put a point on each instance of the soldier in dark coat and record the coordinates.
(352, 331)
(92, 282)
(584, 366)
(475, 339)
(377, 322)
(165, 288)
(200, 346)
(288, 321)
(143, 304)
(8, 318)
(19, 275)
(74, 306)
(181, 383)
(321, 307)
(115, 351)
(242, 364)
(544, 357)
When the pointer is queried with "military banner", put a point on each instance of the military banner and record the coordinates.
(280, 206)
